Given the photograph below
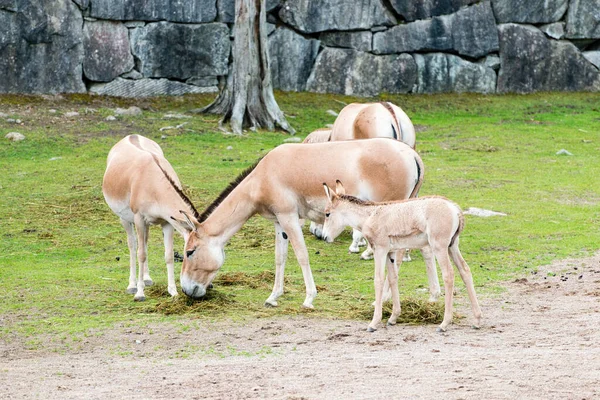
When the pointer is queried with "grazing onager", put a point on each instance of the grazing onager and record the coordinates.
(141, 187)
(284, 187)
(433, 222)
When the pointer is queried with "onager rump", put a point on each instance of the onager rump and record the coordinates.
(426, 222)
(284, 187)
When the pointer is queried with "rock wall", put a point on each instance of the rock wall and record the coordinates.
(352, 47)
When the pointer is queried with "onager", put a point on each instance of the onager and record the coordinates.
(365, 121)
(284, 187)
(142, 189)
(433, 222)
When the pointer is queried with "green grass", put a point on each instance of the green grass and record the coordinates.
(63, 254)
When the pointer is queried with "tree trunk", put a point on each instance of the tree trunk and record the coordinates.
(247, 99)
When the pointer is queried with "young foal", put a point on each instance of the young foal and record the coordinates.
(433, 222)
(284, 187)
(142, 189)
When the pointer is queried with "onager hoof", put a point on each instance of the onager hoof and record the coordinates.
(369, 329)
(271, 303)
(352, 249)
(139, 298)
(440, 329)
(309, 306)
(366, 256)
(132, 290)
(476, 327)
(148, 282)
(391, 323)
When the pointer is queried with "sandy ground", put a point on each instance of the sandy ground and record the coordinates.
(540, 340)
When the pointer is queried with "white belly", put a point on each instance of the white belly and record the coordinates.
(120, 208)
(408, 242)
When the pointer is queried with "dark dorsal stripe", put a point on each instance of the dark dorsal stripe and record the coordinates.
(177, 189)
(227, 191)
(388, 107)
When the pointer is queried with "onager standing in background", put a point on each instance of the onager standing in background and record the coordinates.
(433, 222)
(365, 121)
(142, 189)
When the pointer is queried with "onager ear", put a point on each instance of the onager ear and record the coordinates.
(339, 188)
(330, 194)
(190, 223)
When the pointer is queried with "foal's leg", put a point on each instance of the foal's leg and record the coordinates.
(132, 245)
(368, 253)
(465, 274)
(357, 237)
(281, 251)
(441, 254)
(432, 276)
(392, 275)
(292, 228)
(142, 252)
(380, 262)
(168, 239)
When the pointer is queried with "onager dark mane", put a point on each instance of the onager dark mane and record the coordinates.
(227, 191)
(177, 188)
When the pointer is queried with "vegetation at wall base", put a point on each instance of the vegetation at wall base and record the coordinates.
(64, 257)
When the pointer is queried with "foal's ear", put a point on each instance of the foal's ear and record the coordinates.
(339, 188)
(188, 222)
(330, 194)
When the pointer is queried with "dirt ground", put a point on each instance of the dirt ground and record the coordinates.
(540, 340)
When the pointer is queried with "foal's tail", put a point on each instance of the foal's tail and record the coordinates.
(461, 226)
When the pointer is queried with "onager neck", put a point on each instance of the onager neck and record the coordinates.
(231, 213)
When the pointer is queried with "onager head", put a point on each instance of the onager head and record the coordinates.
(335, 219)
(202, 259)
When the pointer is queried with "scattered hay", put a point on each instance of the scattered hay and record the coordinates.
(414, 311)
(182, 304)
(254, 281)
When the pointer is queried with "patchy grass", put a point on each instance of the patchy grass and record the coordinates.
(63, 254)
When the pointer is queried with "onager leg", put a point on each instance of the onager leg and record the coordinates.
(291, 226)
(281, 251)
(142, 252)
(392, 275)
(432, 277)
(465, 274)
(368, 253)
(357, 241)
(441, 254)
(132, 245)
(168, 239)
(380, 263)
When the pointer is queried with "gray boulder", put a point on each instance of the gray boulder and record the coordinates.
(41, 49)
(359, 40)
(106, 50)
(181, 51)
(471, 32)
(292, 59)
(10, 5)
(147, 88)
(530, 11)
(412, 10)
(439, 73)
(352, 72)
(196, 11)
(226, 9)
(593, 57)
(583, 19)
(312, 16)
(555, 30)
(531, 62)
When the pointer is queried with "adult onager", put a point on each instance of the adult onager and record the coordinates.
(433, 222)
(141, 187)
(284, 187)
(371, 120)
(365, 121)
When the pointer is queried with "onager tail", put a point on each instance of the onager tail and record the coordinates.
(461, 226)
(388, 107)
(419, 182)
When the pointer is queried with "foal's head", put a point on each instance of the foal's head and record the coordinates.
(335, 222)
(202, 259)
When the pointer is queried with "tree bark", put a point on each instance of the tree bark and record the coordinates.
(246, 100)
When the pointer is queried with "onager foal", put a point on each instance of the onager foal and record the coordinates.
(393, 226)
(141, 187)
